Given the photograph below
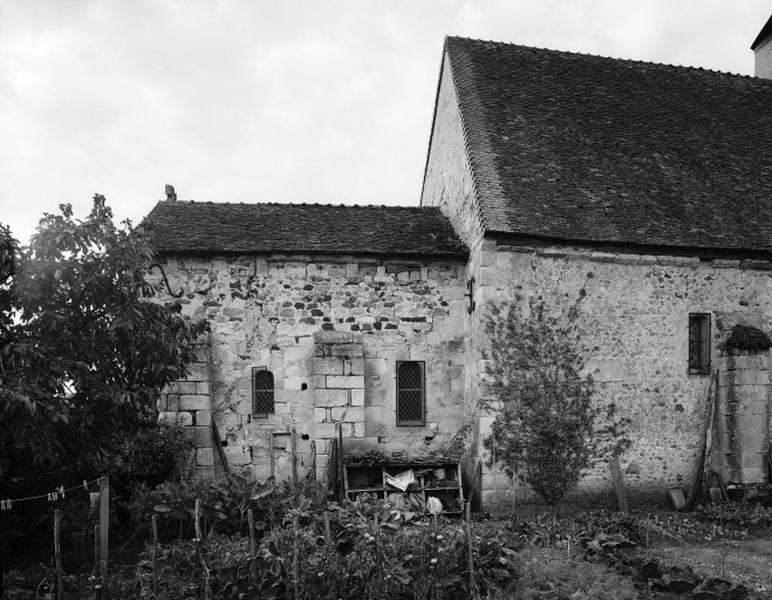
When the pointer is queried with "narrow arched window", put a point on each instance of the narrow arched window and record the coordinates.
(262, 392)
(410, 393)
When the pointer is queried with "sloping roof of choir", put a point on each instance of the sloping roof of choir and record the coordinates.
(210, 228)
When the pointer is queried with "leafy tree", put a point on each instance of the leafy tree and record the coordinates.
(83, 353)
(544, 431)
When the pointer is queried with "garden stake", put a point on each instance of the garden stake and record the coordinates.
(252, 556)
(327, 533)
(295, 552)
(58, 554)
(97, 582)
(294, 462)
(273, 458)
(154, 527)
(200, 546)
(313, 460)
(104, 526)
(470, 549)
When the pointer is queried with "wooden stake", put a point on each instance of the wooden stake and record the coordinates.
(341, 490)
(252, 552)
(205, 591)
(619, 485)
(58, 554)
(295, 559)
(469, 546)
(98, 584)
(327, 532)
(104, 531)
(294, 442)
(273, 458)
(154, 527)
(313, 460)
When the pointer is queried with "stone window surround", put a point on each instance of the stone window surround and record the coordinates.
(422, 366)
(256, 391)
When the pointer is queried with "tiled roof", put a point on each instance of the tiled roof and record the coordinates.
(585, 148)
(211, 228)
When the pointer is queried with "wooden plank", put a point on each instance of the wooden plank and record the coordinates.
(619, 485)
(700, 478)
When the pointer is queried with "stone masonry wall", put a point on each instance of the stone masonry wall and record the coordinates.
(634, 330)
(742, 418)
(449, 184)
(330, 331)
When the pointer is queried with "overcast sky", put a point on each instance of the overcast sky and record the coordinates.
(280, 101)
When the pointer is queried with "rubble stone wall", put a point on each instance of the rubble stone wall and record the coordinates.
(330, 330)
(633, 324)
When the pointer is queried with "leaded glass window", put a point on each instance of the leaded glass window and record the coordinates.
(410, 393)
(262, 392)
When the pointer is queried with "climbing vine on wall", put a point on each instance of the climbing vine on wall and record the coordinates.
(546, 430)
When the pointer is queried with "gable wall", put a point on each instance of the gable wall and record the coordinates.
(448, 181)
(634, 329)
(334, 326)
(762, 57)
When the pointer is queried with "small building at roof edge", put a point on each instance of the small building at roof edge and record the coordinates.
(646, 188)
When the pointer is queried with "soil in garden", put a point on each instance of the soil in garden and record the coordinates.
(748, 561)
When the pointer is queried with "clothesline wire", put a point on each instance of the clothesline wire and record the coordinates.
(83, 485)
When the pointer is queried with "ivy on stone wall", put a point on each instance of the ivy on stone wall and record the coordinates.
(748, 339)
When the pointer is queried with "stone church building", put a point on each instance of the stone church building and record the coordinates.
(644, 189)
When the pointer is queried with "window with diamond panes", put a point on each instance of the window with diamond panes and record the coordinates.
(410, 393)
(262, 392)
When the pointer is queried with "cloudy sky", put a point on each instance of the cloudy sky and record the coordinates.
(283, 101)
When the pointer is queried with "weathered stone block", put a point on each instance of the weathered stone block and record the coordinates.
(200, 436)
(354, 366)
(345, 381)
(321, 415)
(328, 366)
(353, 350)
(173, 402)
(203, 417)
(324, 397)
(175, 418)
(203, 387)
(194, 402)
(185, 387)
(357, 397)
(326, 430)
(204, 457)
(348, 413)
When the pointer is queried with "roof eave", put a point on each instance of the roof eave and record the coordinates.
(707, 252)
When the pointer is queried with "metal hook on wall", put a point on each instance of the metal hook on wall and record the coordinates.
(166, 280)
(470, 295)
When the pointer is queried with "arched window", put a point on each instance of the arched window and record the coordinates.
(262, 392)
(410, 393)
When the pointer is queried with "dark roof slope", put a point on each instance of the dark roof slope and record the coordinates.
(211, 228)
(585, 148)
(765, 32)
